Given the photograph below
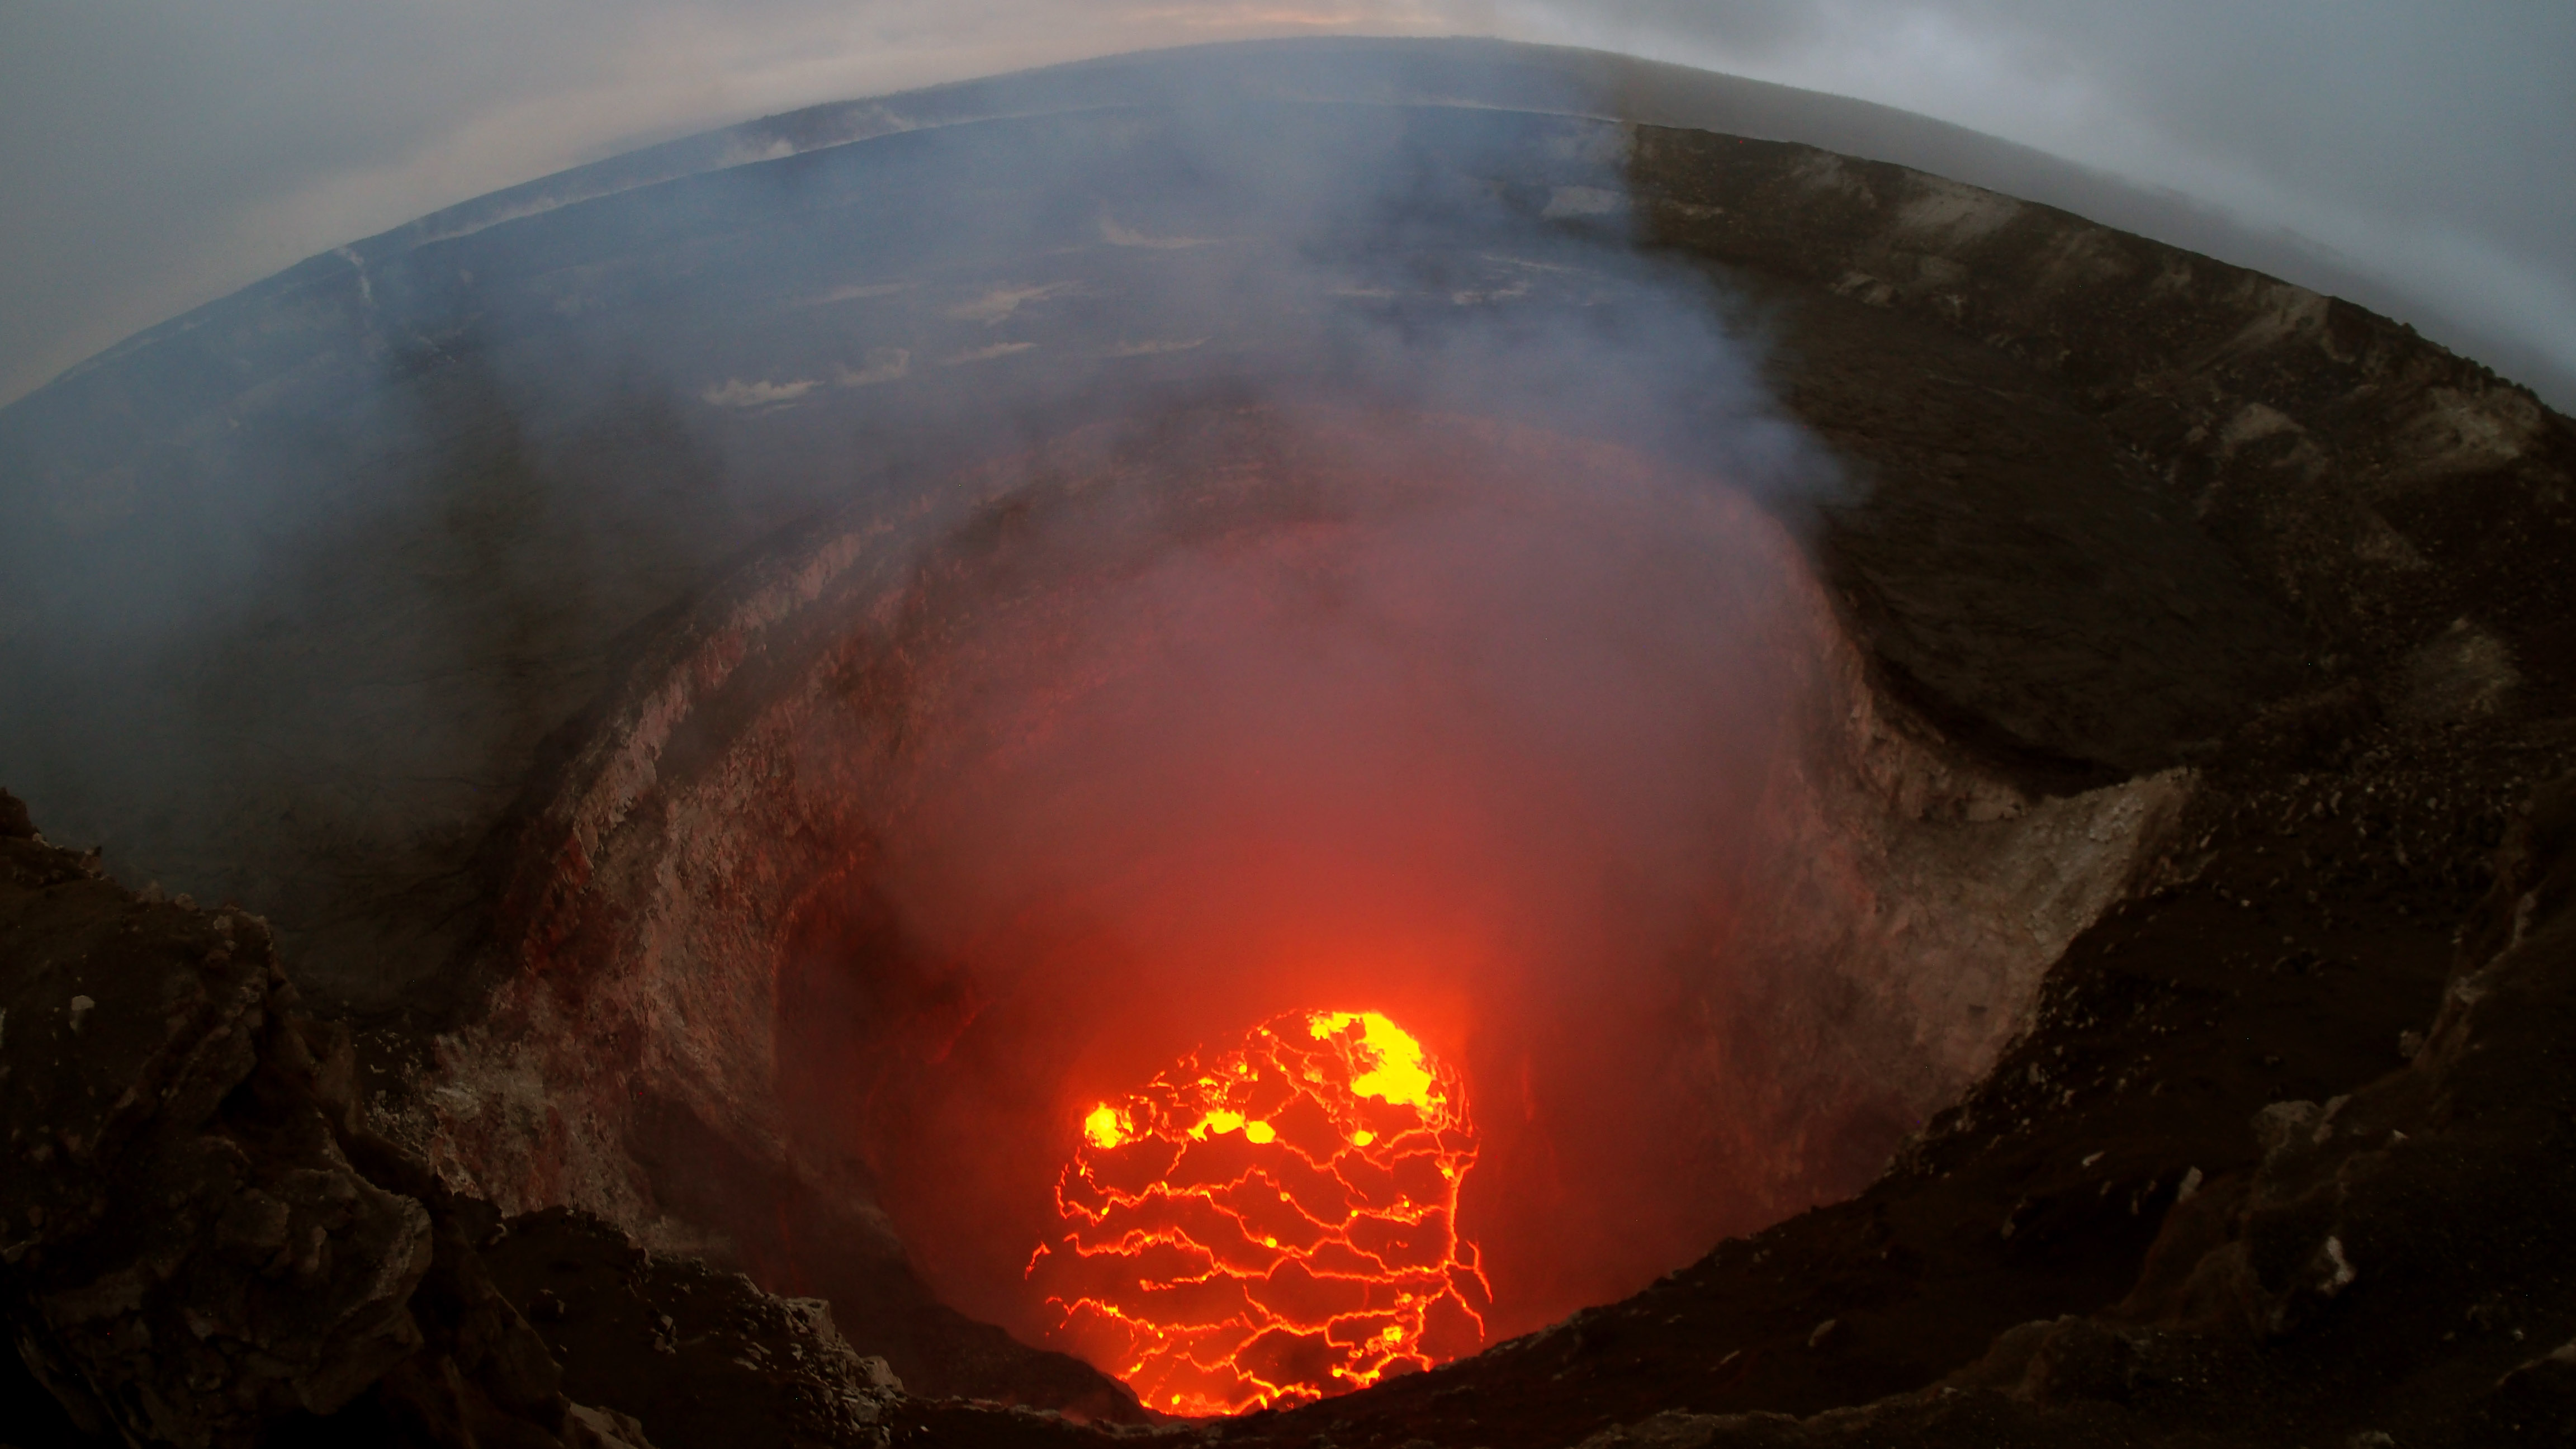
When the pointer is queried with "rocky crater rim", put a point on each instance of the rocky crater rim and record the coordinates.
(1885, 906)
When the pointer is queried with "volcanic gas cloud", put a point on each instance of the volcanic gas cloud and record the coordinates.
(1264, 794)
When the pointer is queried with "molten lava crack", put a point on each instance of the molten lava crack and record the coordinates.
(1273, 1226)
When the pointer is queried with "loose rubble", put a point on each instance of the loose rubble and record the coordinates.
(201, 1245)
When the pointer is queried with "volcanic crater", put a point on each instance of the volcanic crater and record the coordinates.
(1968, 836)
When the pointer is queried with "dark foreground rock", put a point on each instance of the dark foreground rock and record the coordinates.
(202, 1247)
(2394, 1269)
(698, 1355)
(197, 1256)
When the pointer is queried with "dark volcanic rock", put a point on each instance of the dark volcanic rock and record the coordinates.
(2394, 1268)
(197, 1254)
(699, 1357)
(203, 1248)
(14, 823)
(2125, 495)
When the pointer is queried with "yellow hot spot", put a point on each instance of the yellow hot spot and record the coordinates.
(1363, 1137)
(1392, 1333)
(1104, 1127)
(1219, 1123)
(1396, 1073)
(1259, 1134)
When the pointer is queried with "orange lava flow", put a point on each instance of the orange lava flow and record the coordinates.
(1272, 1226)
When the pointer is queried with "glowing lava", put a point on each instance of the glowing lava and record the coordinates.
(1275, 1225)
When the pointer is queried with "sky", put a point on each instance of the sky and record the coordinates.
(157, 154)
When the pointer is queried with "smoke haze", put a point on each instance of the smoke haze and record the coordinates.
(1329, 690)
(158, 155)
(1475, 728)
(1472, 733)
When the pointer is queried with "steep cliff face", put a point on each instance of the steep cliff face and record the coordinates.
(2395, 500)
